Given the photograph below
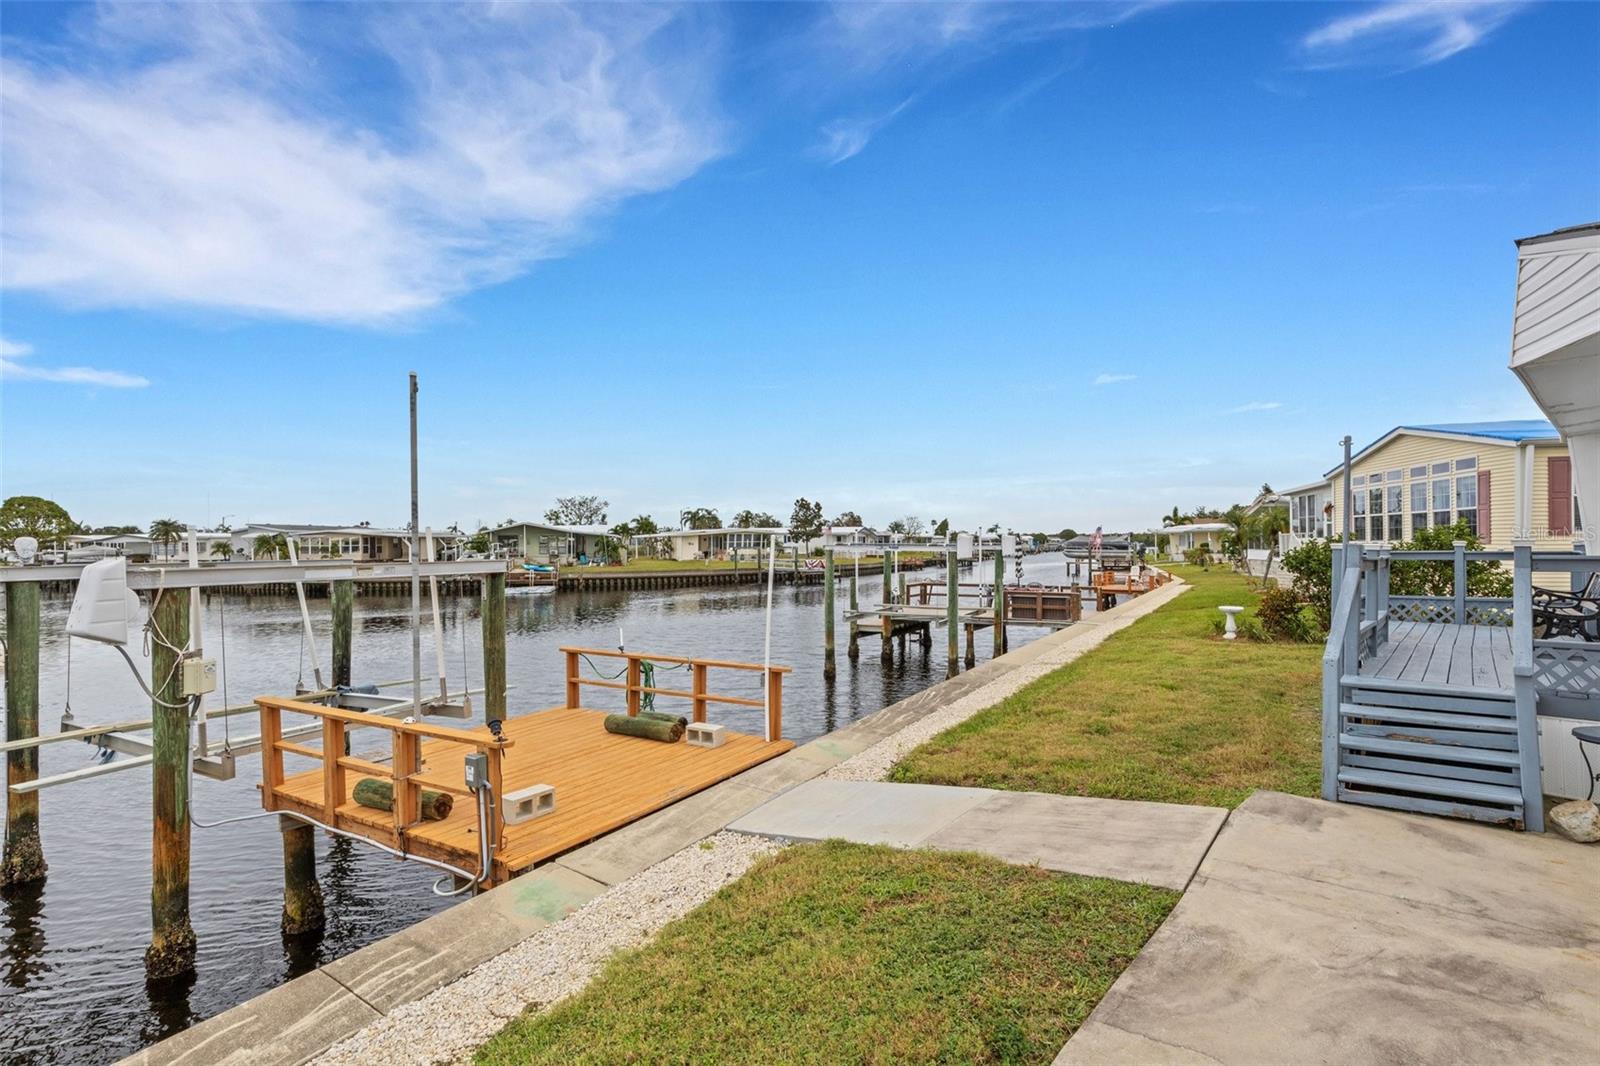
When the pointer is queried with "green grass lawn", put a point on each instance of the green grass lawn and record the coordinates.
(844, 953)
(1164, 710)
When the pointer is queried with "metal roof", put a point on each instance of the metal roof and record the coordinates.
(1516, 429)
(1510, 431)
(1566, 231)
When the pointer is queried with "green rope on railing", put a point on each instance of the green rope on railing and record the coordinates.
(647, 677)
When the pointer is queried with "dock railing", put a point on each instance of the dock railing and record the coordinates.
(699, 695)
(406, 750)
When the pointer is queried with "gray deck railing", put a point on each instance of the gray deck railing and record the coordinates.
(1364, 610)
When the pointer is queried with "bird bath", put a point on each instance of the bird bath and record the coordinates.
(1230, 631)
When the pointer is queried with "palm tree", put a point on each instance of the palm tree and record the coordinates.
(269, 544)
(222, 548)
(166, 532)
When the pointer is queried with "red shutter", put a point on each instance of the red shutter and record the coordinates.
(1560, 516)
(1485, 508)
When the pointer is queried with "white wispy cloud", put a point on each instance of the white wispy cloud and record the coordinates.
(1405, 33)
(13, 369)
(1112, 379)
(846, 137)
(227, 157)
(1254, 405)
(914, 44)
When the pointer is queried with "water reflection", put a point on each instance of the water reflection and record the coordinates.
(24, 960)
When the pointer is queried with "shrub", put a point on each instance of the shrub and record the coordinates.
(1282, 618)
(1438, 578)
(1200, 556)
(1312, 567)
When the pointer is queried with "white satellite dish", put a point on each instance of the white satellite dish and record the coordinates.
(104, 607)
(26, 549)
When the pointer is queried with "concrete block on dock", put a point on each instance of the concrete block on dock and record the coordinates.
(526, 804)
(705, 735)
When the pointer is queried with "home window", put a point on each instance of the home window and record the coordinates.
(1467, 500)
(1396, 512)
(1419, 506)
(1441, 500)
(1359, 509)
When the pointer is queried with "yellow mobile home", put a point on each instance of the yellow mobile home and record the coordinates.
(1506, 480)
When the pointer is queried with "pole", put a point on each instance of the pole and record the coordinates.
(1348, 497)
(1000, 604)
(494, 647)
(766, 646)
(302, 896)
(172, 941)
(24, 855)
(416, 566)
(888, 579)
(952, 594)
(855, 627)
(343, 594)
(828, 667)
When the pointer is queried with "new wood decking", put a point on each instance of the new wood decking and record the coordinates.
(602, 782)
(1475, 656)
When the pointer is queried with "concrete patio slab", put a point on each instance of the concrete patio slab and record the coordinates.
(1316, 932)
(866, 812)
(1152, 843)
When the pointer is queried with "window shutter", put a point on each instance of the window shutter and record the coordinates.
(1485, 508)
(1560, 503)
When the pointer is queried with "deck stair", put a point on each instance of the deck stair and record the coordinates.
(1446, 752)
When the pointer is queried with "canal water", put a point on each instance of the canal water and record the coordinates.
(72, 985)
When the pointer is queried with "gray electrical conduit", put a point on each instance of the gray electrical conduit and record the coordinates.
(472, 880)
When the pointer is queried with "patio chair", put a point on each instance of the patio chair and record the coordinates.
(1572, 615)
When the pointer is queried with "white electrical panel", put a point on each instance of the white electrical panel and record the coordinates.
(199, 676)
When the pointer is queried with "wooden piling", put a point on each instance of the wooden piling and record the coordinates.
(23, 858)
(302, 896)
(343, 595)
(494, 647)
(972, 648)
(886, 650)
(829, 669)
(999, 604)
(855, 628)
(952, 602)
(888, 580)
(172, 941)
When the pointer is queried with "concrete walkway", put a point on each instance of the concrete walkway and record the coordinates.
(1323, 933)
(1154, 843)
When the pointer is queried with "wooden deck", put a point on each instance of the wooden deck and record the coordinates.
(1470, 656)
(602, 782)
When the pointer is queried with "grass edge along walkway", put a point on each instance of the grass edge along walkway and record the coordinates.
(1164, 710)
(840, 952)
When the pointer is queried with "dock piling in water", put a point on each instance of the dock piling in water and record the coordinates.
(302, 896)
(999, 604)
(951, 605)
(855, 627)
(24, 854)
(828, 667)
(172, 940)
(343, 594)
(494, 647)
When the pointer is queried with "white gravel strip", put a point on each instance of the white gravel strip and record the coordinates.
(874, 763)
(448, 1024)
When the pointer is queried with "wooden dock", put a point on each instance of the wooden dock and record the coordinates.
(602, 781)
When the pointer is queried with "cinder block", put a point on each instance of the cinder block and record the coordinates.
(705, 735)
(526, 804)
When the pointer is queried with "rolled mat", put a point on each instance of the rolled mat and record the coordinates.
(379, 795)
(650, 728)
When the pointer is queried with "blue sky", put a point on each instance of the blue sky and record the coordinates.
(1037, 265)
